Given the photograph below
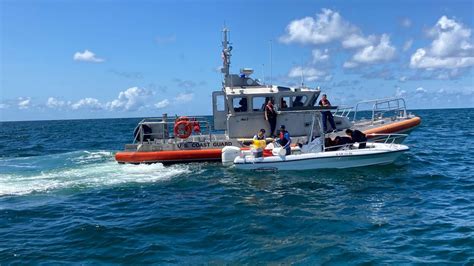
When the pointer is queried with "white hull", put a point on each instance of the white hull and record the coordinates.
(377, 154)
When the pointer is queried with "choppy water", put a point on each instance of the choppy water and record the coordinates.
(63, 199)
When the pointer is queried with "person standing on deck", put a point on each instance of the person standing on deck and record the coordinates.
(271, 116)
(327, 115)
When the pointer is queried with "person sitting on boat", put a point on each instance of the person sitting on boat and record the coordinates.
(357, 136)
(260, 135)
(283, 104)
(284, 139)
(327, 115)
(259, 143)
(271, 116)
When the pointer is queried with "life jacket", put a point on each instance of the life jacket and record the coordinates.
(271, 111)
(283, 140)
(259, 144)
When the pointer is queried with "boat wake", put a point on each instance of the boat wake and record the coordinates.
(76, 170)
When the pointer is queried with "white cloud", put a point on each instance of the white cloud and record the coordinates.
(4, 106)
(381, 52)
(405, 22)
(349, 64)
(400, 93)
(87, 56)
(184, 97)
(87, 103)
(55, 103)
(309, 73)
(130, 100)
(452, 47)
(320, 56)
(162, 104)
(326, 27)
(357, 40)
(24, 102)
(407, 45)
(420, 90)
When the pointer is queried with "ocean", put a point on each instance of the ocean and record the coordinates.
(63, 199)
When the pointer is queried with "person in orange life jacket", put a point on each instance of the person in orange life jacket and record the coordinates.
(271, 116)
(284, 140)
(357, 136)
(327, 115)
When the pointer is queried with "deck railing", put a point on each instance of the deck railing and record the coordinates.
(165, 126)
(381, 107)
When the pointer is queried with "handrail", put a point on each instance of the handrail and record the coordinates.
(140, 135)
(381, 106)
(387, 140)
(343, 111)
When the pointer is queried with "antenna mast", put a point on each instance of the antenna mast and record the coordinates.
(271, 63)
(226, 48)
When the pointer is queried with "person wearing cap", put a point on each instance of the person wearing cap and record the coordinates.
(284, 139)
(327, 115)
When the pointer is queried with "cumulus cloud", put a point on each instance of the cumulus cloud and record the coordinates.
(309, 73)
(381, 52)
(357, 40)
(451, 47)
(87, 103)
(130, 100)
(320, 56)
(162, 104)
(24, 102)
(87, 56)
(55, 103)
(184, 97)
(327, 26)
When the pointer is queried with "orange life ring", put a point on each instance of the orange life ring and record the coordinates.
(183, 129)
(182, 118)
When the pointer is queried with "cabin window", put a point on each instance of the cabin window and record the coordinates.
(220, 103)
(285, 102)
(258, 103)
(298, 101)
(240, 104)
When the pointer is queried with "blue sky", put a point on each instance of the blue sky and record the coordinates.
(100, 59)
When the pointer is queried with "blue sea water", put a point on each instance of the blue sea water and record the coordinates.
(63, 199)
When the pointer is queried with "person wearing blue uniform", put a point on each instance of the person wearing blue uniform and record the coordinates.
(284, 139)
(327, 115)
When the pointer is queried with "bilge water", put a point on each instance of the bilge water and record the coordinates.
(63, 199)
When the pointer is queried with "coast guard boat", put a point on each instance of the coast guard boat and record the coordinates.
(238, 113)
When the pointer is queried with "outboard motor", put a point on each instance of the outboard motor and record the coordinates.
(229, 153)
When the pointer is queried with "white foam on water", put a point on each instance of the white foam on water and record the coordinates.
(92, 169)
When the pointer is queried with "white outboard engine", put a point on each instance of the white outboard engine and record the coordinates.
(229, 153)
